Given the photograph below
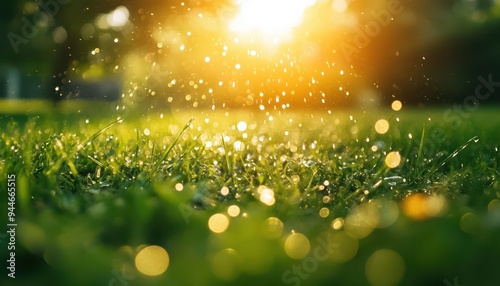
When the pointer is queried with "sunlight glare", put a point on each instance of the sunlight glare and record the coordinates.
(274, 18)
(339, 5)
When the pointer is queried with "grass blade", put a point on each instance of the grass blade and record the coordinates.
(169, 149)
(474, 139)
(95, 135)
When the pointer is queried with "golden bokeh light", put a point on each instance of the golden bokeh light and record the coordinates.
(494, 206)
(382, 126)
(337, 223)
(393, 159)
(273, 19)
(272, 228)
(266, 195)
(396, 105)
(218, 223)
(387, 212)
(345, 247)
(470, 223)
(324, 212)
(385, 267)
(233, 210)
(297, 246)
(242, 126)
(152, 260)
(422, 206)
(361, 221)
(224, 191)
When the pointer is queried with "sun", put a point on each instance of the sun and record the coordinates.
(274, 19)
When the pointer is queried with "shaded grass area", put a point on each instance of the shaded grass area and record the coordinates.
(92, 191)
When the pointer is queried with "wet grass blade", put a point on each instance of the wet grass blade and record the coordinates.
(420, 147)
(67, 159)
(95, 135)
(169, 149)
(474, 139)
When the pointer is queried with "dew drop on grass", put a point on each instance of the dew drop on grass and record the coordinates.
(338, 223)
(295, 179)
(324, 212)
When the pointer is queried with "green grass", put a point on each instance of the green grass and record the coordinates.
(92, 191)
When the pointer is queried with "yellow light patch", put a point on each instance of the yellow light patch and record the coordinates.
(396, 105)
(393, 159)
(273, 228)
(385, 267)
(218, 223)
(275, 18)
(382, 126)
(152, 260)
(297, 246)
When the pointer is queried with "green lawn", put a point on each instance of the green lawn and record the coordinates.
(309, 199)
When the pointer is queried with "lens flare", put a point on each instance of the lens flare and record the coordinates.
(269, 18)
